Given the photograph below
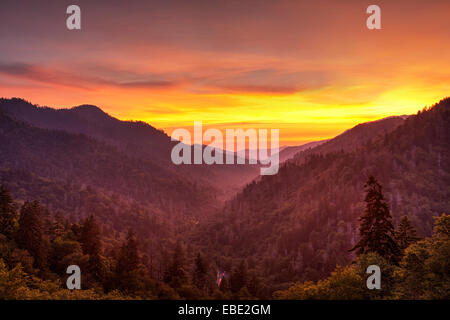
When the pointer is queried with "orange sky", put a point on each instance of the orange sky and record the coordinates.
(310, 69)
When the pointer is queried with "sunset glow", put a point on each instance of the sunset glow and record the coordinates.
(312, 70)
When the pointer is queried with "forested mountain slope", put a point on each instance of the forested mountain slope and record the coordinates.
(353, 138)
(55, 166)
(134, 138)
(300, 223)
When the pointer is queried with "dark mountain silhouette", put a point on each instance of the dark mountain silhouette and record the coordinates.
(300, 223)
(58, 167)
(355, 137)
(90, 120)
(135, 138)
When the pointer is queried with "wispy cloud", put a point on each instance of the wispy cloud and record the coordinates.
(72, 79)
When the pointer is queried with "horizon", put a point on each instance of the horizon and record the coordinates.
(190, 128)
(312, 70)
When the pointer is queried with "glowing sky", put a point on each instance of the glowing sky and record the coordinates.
(310, 68)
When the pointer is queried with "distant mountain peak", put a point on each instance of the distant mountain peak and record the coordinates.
(91, 111)
(88, 107)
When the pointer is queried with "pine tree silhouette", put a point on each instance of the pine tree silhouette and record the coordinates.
(406, 233)
(376, 230)
(30, 233)
(7, 213)
(200, 275)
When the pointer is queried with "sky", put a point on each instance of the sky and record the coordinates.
(311, 69)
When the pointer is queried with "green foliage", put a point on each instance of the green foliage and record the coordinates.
(64, 252)
(423, 273)
(387, 274)
(425, 267)
(15, 284)
(343, 284)
(33, 265)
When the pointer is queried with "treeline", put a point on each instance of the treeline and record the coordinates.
(37, 246)
(411, 268)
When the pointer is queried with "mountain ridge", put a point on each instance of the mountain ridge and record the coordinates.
(300, 223)
(136, 138)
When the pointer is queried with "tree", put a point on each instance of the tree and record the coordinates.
(387, 274)
(8, 213)
(438, 263)
(91, 245)
(343, 284)
(376, 229)
(239, 277)
(424, 271)
(62, 253)
(129, 256)
(11, 281)
(253, 285)
(411, 277)
(90, 237)
(57, 227)
(442, 227)
(127, 269)
(29, 235)
(176, 275)
(200, 274)
(406, 234)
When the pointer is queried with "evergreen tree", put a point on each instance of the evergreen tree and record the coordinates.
(376, 229)
(253, 284)
(7, 213)
(176, 275)
(90, 237)
(406, 233)
(200, 275)
(127, 269)
(29, 235)
(91, 245)
(57, 227)
(424, 271)
(128, 256)
(239, 277)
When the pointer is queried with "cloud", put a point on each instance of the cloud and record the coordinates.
(34, 73)
(256, 81)
(257, 89)
(72, 79)
(161, 110)
(147, 84)
(269, 81)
